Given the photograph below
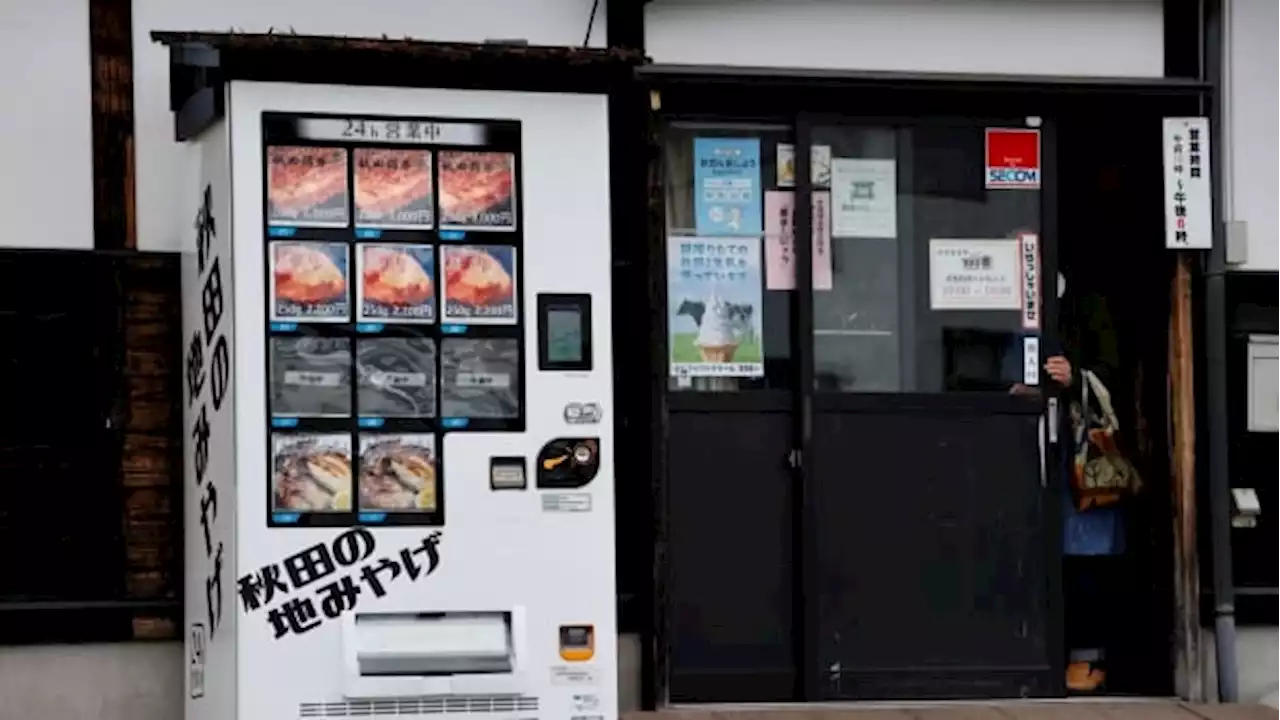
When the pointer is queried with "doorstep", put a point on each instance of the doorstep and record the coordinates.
(1039, 710)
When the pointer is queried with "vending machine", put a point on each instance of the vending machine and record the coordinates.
(399, 497)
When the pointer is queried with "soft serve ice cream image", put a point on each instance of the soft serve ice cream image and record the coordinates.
(722, 327)
(717, 339)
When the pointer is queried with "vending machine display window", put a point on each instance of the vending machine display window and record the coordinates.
(394, 315)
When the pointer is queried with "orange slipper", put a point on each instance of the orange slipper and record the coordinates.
(1084, 677)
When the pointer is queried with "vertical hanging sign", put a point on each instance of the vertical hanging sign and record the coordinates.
(1029, 279)
(1187, 202)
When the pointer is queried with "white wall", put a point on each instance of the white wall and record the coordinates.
(1257, 661)
(1253, 154)
(167, 172)
(46, 143)
(1035, 37)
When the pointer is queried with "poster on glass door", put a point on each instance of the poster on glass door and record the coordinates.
(726, 183)
(779, 240)
(714, 307)
(865, 198)
(974, 274)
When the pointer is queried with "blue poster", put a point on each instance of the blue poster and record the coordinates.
(726, 183)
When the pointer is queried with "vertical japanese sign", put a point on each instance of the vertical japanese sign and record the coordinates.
(726, 183)
(1029, 279)
(821, 229)
(208, 457)
(1187, 202)
(779, 240)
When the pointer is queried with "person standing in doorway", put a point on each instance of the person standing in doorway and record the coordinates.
(1093, 540)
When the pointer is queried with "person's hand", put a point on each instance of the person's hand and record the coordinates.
(1059, 368)
(1022, 390)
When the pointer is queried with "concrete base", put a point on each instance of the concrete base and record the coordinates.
(124, 681)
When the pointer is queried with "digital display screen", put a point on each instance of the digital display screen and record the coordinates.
(564, 335)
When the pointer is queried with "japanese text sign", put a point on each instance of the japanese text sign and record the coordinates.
(1188, 212)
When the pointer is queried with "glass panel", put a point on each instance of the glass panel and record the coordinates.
(728, 331)
(855, 303)
(927, 267)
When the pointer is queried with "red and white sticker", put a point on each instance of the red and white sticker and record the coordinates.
(1029, 279)
(1013, 159)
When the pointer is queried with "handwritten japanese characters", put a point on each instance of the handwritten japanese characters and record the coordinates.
(321, 582)
(208, 379)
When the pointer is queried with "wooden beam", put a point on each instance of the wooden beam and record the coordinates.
(111, 60)
(1188, 680)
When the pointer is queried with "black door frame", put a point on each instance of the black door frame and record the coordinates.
(731, 95)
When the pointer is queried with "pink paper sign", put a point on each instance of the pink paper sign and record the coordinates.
(779, 245)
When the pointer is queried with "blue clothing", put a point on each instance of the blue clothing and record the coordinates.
(1097, 531)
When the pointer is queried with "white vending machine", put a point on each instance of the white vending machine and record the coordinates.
(399, 492)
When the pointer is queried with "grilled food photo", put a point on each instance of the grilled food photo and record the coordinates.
(387, 180)
(312, 474)
(300, 178)
(398, 473)
(474, 183)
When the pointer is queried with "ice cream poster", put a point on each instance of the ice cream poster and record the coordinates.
(726, 180)
(714, 307)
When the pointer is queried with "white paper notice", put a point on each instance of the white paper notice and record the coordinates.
(1031, 361)
(866, 198)
(819, 165)
(786, 162)
(974, 275)
(1029, 279)
(1187, 207)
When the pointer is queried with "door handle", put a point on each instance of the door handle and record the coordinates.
(1053, 421)
(794, 459)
